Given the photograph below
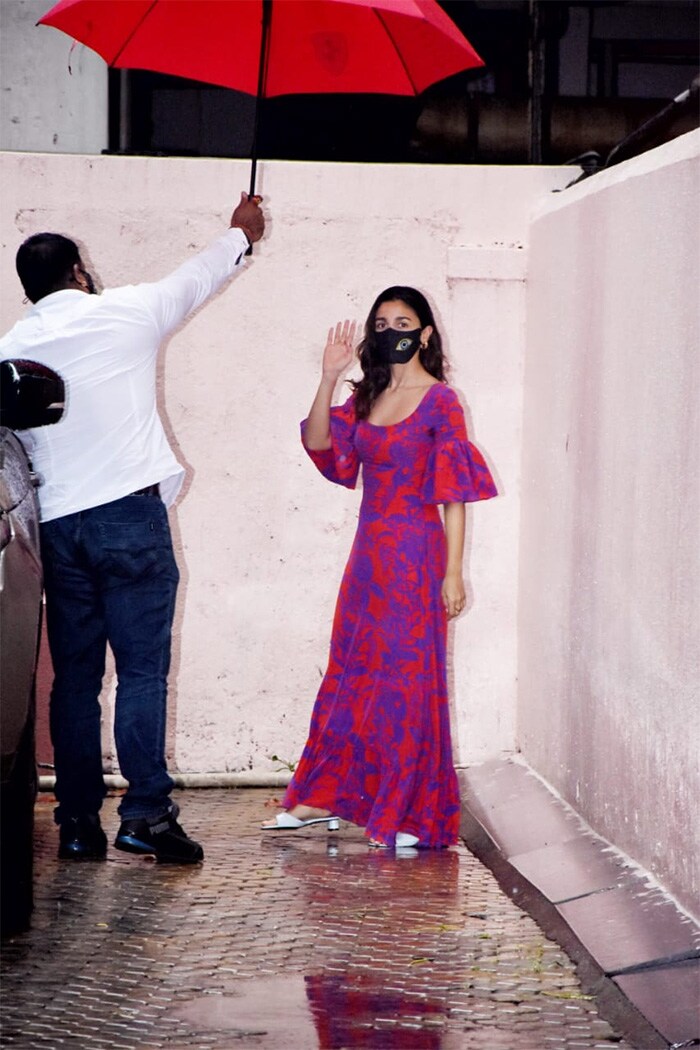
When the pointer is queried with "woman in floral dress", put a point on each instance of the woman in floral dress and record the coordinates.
(379, 752)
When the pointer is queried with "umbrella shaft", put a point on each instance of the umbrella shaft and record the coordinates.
(262, 77)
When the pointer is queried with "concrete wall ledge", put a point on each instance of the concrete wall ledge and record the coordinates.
(473, 263)
(635, 948)
(246, 778)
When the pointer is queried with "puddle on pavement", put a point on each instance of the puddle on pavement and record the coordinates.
(270, 1008)
(319, 1011)
(355, 1008)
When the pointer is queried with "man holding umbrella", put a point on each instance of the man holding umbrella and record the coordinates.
(109, 570)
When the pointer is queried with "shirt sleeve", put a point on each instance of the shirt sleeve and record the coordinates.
(456, 471)
(171, 299)
(339, 463)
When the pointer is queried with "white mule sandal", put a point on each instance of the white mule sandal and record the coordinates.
(404, 839)
(286, 822)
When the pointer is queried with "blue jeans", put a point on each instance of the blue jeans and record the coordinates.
(110, 576)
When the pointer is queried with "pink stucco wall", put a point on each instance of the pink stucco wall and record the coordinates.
(609, 668)
(262, 537)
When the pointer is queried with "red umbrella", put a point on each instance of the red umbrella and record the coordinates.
(396, 47)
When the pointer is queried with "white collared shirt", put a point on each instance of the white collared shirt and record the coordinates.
(111, 441)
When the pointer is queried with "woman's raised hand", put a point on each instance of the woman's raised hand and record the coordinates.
(337, 356)
(340, 349)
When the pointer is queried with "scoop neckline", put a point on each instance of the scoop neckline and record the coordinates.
(387, 426)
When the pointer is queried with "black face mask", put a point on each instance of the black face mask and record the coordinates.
(396, 348)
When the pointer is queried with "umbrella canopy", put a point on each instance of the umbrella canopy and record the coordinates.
(266, 48)
(396, 47)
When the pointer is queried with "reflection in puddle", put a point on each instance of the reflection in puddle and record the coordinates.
(370, 987)
(318, 1011)
(356, 1011)
(369, 919)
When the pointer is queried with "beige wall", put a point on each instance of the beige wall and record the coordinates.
(263, 538)
(609, 671)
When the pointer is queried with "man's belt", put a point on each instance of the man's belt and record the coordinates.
(150, 490)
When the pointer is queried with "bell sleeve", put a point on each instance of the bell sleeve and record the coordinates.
(456, 471)
(340, 462)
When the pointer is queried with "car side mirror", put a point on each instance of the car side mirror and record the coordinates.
(31, 395)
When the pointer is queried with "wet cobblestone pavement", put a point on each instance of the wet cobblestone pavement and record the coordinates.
(297, 941)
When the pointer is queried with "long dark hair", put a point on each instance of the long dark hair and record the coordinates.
(375, 375)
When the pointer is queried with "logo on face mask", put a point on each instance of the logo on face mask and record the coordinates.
(396, 348)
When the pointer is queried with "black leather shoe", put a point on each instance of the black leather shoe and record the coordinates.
(164, 839)
(82, 838)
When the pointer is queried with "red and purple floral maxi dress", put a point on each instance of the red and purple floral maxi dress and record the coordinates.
(379, 752)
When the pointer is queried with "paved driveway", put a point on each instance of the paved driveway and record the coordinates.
(294, 941)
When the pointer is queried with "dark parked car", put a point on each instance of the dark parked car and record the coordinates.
(31, 395)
